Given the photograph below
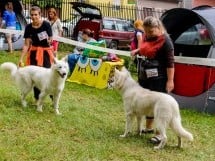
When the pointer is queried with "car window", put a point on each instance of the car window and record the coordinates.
(195, 35)
(194, 42)
(192, 29)
(122, 26)
(109, 24)
(130, 27)
(89, 11)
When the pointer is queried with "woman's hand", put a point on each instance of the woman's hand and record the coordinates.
(170, 79)
(24, 51)
(20, 63)
(134, 52)
(169, 86)
(50, 40)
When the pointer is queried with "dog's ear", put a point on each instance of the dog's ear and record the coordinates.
(118, 78)
(55, 60)
(117, 72)
(65, 58)
(123, 69)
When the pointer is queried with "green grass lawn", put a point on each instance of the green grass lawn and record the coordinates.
(88, 129)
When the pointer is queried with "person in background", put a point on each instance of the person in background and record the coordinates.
(9, 21)
(56, 26)
(156, 69)
(137, 40)
(38, 37)
(138, 25)
(86, 37)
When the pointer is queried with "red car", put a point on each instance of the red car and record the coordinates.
(118, 33)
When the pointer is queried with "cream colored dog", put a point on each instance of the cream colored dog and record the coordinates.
(50, 81)
(140, 102)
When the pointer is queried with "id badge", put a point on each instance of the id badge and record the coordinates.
(42, 35)
(151, 72)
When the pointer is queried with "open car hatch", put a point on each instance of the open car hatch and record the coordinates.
(87, 10)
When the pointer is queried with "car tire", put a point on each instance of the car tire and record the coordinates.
(65, 32)
(113, 45)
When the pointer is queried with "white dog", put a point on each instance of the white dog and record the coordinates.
(50, 81)
(140, 102)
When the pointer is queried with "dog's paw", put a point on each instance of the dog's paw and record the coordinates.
(57, 112)
(125, 134)
(122, 136)
(157, 147)
(24, 104)
(39, 109)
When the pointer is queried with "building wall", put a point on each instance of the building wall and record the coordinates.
(203, 2)
(122, 2)
(163, 4)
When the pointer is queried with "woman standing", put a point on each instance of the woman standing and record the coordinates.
(38, 37)
(56, 26)
(156, 69)
(138, 36)
(137, 41)
(9, 20)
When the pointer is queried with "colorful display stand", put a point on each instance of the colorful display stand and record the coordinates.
(94, 72)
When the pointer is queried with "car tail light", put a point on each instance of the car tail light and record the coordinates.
(204, 34)
(101, 34)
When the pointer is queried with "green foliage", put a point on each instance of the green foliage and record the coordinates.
(65, 47)
(94, 53)
(89, 128)
(45, 3)
(129, 64)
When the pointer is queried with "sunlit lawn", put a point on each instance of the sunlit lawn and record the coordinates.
(89, 128)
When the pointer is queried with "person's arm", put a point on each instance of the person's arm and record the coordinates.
(170, 79)
(60, 27)
(78, 49)
(49, 32)
(170, 64)
(134, 52)
(25, 48)
(3, 19)
(139, 40)
(75, 50)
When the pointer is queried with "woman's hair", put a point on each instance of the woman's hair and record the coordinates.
(138, 24)
(88, 32)
(52, 10)
(152, 22)
(35, 8)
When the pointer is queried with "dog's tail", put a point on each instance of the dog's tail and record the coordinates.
(11, 67)
(180, 131)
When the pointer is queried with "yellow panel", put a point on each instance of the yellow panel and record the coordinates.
(94, 78)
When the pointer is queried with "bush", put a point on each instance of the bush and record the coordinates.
(129, 64)
(65, 47)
